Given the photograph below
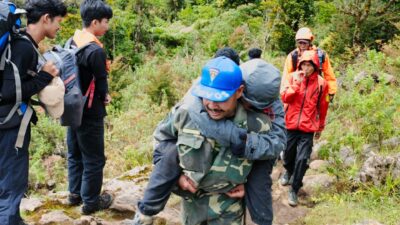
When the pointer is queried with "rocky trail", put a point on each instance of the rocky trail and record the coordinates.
(128, 189)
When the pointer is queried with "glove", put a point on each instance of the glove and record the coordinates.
(225, 132)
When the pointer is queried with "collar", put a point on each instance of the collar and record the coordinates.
(82, 38)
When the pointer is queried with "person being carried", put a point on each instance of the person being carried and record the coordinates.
(306, 99)
(86, 157)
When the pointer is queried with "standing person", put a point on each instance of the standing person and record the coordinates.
(86, 157)
(306, 96)
(304, 39)
(43, 20)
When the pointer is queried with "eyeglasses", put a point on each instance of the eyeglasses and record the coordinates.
(303, 42)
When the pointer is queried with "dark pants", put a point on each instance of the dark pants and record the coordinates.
(297, 156)
(86, 159)
(258, 196)
(166, 172)
(14, 167)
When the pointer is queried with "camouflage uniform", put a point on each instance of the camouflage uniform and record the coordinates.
(212, 167)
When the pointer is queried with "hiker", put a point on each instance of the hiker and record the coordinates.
(304, 39)
(306, 105)
(86, 157)
(255, 53)
(259, 77)
(43, 20)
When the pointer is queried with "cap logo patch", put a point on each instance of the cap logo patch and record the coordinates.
(213, 74)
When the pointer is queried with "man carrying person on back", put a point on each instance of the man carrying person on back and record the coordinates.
(43, 20)
(259, 76)
(86, 157)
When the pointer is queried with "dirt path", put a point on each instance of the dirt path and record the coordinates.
(129, 188)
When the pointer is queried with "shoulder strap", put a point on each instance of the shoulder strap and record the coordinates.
(295, 56)
(321, 57)
(321, 88)
(6, 58)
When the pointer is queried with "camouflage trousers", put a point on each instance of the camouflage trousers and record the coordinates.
(215, 209)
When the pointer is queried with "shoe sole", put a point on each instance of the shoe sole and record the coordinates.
(293, 204)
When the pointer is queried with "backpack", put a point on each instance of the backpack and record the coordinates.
(20, 113)
(65, 59)
(321, 57)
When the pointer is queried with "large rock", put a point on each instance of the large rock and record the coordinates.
(128, 189)
(376, 168)
(313, 183)
(390, 143)
(30, 204)
(347, 156)
(319, 165)
(85, 220)
(55, 217)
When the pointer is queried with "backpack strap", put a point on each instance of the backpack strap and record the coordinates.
(5, 59)
(17, 108)
(90, 93)
(321, 58)
(295, 57)
(320, 87)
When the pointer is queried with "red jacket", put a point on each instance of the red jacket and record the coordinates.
(306, 102)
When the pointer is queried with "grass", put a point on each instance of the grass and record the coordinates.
(354, 208)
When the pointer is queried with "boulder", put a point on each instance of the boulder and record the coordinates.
(347, 156)
(318, 165)
(55, 217)
(312, 183)
(376, 168)
(30, 204)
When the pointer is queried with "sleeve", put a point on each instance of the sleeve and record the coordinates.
(290, 91)
(287, 70)
(263, 146)
(323, 107)
(329, 75)
(165, 130)
(22, 57)
(97, 61)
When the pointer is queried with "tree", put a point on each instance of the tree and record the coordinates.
(375, 13)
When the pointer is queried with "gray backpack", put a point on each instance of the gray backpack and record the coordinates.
(74, 101)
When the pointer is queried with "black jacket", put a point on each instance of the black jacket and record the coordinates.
(24, 56)
(92, 64)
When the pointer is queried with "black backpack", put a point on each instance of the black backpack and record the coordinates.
(20, 113)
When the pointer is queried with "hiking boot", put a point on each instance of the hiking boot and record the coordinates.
(74, 199)
(104, 202)
(141, 219)
(292, 199)
(285, 179)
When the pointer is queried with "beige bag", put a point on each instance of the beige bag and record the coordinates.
(52, 96)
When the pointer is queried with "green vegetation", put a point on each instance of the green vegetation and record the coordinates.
(158, 48)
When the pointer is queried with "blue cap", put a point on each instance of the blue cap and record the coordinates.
(220, 78)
